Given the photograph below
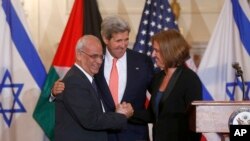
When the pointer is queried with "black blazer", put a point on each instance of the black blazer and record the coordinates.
(79, 115)
(172, 121)
(139, 77)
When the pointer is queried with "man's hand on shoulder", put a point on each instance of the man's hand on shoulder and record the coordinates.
(57, 88)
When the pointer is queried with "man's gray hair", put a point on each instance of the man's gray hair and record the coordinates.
(82, 42)
(113, 24)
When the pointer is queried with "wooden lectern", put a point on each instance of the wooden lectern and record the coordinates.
(213, 116)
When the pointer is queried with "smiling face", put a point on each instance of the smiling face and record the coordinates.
(90, 56)
(117, 44)
(156, 54)
(115, 34)
(170, 49)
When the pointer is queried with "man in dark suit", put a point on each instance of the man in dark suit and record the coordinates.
(135, 72)
(80, 113)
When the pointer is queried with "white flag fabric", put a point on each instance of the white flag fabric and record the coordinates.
(22, 75)
(230, 43)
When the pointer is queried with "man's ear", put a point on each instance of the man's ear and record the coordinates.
(78, 55)
(105, 40)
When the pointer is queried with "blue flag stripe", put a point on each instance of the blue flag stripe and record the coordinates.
(242, 23)
(206, 95)
(24, 45)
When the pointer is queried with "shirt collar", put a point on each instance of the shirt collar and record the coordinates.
(90, 78)
(109, 57)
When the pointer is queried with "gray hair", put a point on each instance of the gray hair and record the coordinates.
(83, 41)
(113, 24)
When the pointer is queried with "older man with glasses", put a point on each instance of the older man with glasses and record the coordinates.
(124, 76)
(80, 113)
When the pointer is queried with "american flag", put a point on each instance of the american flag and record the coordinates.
(157, 16)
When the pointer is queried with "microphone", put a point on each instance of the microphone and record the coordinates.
(237, 68)
(239, 73)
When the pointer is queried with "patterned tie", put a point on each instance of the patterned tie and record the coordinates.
(98, 95)
(113, 82)
(94, 84)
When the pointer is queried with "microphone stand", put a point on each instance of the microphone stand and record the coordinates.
(239, 73)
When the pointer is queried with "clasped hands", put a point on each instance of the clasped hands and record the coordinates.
(125, 108)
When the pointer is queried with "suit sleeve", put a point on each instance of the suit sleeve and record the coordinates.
(143, 116)
(83, 105)
(150, 67)
(194, 89)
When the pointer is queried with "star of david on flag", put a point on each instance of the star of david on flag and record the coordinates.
(22, 75)
(8, 89)
(229, 43)
(232, 87)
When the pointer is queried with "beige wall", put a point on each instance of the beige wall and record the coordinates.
(47, 19)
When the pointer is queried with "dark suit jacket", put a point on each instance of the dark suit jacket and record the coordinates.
(172, 121)
(139, 76)
(79, 115)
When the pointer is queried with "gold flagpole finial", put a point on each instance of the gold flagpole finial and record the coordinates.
(176, 9)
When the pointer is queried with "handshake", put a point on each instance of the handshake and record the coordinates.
(125, 108)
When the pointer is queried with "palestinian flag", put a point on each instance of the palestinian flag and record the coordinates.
(84, 19)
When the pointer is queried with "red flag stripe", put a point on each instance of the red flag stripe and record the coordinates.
(65, 55)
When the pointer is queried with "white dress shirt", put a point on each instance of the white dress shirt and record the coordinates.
(122, 72)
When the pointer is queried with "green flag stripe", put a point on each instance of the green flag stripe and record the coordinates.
(47, 119)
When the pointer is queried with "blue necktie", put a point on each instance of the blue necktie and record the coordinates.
(94, 85)
(98, 95)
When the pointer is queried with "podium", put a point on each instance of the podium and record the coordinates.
(213, 116)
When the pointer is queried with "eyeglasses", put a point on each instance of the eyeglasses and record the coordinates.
(94, 56)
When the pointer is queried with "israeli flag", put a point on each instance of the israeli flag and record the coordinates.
(22, 75)
(229, 44)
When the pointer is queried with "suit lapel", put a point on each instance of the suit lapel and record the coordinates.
(132, 71)
(85, 81)
(155, 87)
(104, 89)
(170, 86)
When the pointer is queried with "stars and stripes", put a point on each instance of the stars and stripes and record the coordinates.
(156, 16)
